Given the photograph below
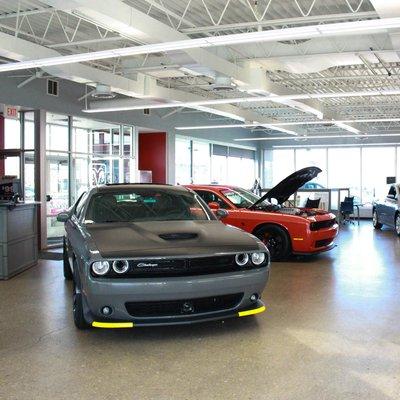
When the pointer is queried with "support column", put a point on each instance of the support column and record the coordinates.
(40, 174)
(1, 144)
(171, 158)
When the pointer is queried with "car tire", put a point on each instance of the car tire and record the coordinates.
(66, 267)
(375, 221)
(397, 224)
(77, 308)
(277, 241)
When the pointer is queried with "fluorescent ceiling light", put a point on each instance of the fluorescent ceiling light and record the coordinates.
(235, 100)
(316, 137)
(273, 125)
(334, 145)
(304, 32)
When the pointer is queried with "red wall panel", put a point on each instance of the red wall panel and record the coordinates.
(1, 144)
(153, 155)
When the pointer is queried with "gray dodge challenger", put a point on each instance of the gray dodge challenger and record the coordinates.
(145, 254)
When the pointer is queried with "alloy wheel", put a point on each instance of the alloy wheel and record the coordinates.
(274, 244)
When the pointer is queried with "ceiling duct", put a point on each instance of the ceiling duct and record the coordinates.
(103, 92)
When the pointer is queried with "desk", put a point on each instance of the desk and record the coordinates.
(18, 237)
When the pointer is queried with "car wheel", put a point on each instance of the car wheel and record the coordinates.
(77, 308)
(66, 267)
(375, 221)
(277, 241)
(397, 224)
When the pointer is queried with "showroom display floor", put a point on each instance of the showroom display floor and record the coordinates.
(331, 331)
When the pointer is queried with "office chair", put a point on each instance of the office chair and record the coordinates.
(347, 210)
(310, 203)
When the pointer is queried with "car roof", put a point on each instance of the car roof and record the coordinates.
(115, 187)
(218, 187)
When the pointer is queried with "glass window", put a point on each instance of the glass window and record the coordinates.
(80, 140)
(344, 169)
(11, 166)
(29, 176)
(378, 163)
(129, 170)
(219, 169)
(241, 172)
(115, 173)
(29, 131)
(283, 165)
(313, 158)
(242, 198)
(115, 141)
(12, 134)
(182, 161)
(80, 177)
(210, 197)
(144, 204)
(101, 142)
(101, 173)
(127, 135)
(201, 162)
(56, 132)
(398, 165)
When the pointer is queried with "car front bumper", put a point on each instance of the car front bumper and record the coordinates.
(115, 293)
(314, 242)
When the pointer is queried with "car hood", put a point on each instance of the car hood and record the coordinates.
(169, 238)
(284, 189)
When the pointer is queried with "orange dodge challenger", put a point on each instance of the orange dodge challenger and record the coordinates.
(284, 230)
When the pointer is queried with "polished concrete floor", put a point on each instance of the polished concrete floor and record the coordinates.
(331, 331)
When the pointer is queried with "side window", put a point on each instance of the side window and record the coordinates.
(79, 204)
(210, 197)
(392, 191)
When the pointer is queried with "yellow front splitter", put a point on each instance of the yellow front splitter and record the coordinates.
(112, 325)
(251, 312)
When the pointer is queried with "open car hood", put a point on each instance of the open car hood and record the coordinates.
(285, 188)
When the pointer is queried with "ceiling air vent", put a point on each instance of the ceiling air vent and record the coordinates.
(52, 87)
(222, 83)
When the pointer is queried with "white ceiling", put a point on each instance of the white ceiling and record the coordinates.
(38, 29)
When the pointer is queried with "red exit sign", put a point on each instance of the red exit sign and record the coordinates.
(11, 112)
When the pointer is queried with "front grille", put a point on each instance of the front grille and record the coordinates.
(323, 243)
(183, 307)
(315, 226)
(179, 267)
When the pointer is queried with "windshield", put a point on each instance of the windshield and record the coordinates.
(143, 204)
(242, 198)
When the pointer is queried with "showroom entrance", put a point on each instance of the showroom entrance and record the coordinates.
(78, 153)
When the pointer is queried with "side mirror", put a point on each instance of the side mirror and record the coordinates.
(221, 213)
(63, 216)
(213, 205)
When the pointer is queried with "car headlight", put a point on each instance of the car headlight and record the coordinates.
(258, 258)
(120, 266)
(100, 267)
(242, 259)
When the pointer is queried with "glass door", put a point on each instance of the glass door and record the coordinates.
(57, 195)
